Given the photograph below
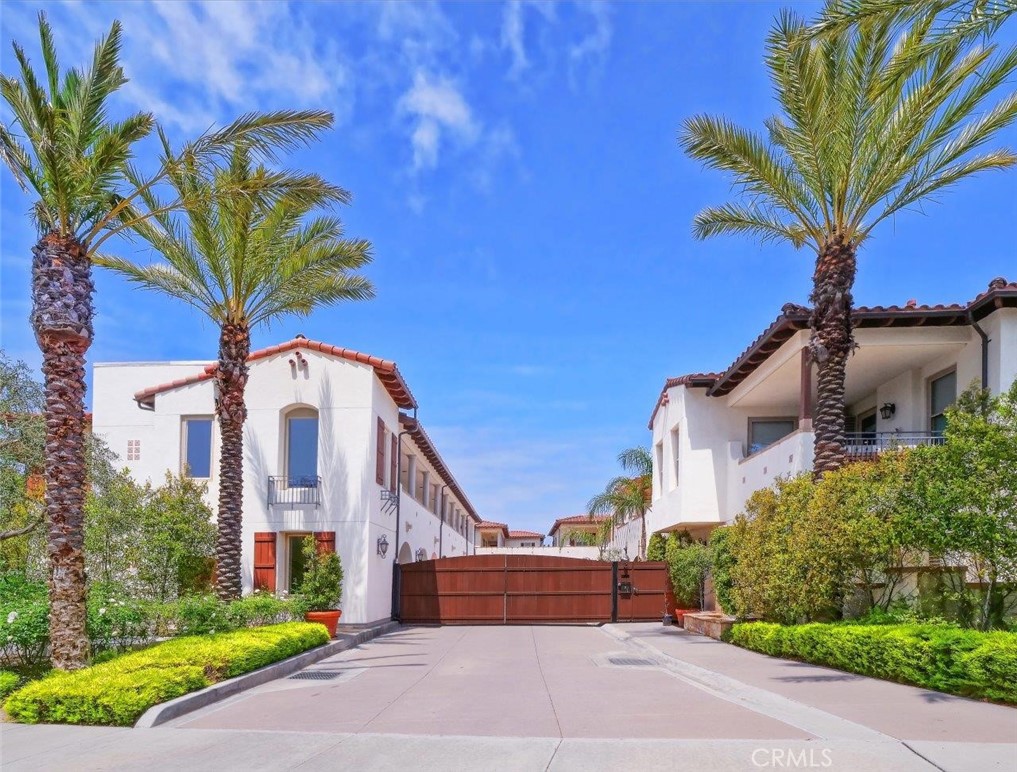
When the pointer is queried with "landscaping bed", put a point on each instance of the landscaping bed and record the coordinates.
(941, 657)
(117, 692)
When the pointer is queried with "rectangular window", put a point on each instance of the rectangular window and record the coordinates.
(674, 454)
(379, 462)
(764, 432)
(434, 498)
(198, 447)
(942, 394)
(658, 463)
(134, 450)
(302, 451)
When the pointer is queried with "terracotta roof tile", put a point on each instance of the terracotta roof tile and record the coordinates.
(387, 371)
(525, 535)
(692, 380)
(577, 520)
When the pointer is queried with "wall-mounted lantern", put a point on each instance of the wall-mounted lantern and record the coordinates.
(421, 554)
(887, 410)
(382, 545)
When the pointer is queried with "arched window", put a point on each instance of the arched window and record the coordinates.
(301, 450)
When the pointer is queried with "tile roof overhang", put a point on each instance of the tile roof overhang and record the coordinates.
(387, 371)
(490, 525)
(415, 430)
(525, 535)
(793, 318)
(577, 520)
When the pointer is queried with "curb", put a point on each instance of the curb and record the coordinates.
(167, 711)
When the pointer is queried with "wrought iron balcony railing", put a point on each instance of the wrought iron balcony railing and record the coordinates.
(294, 491)
(869, 444)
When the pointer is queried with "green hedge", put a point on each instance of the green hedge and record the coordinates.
(8, 683)
(118, 691)
(941, 657)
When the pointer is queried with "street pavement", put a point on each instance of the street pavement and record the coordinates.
(619, 697)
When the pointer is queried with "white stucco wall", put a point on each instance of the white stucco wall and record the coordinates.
(349, 398)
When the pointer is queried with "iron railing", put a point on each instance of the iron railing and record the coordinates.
(869, 444)
(292, 491)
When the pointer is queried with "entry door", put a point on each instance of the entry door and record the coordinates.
(295, 560)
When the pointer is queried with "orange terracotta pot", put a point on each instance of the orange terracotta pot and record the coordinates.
(328, 618)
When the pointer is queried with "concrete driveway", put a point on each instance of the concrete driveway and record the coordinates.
(537, 698)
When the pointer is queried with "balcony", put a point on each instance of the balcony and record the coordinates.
(294, 491)
(862, 445)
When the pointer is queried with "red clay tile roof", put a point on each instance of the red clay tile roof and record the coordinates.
(794, 317)
(489, 525)
(414, 428)
(525, 535)
(386, 371)
(692, 380)
(577, 520)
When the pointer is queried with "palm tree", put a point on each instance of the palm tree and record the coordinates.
(628, 496)
(63, 148)
(245, 253)
(968, 18)
(871, 125)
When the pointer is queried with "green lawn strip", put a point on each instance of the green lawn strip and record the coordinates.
(948, 659)
(117, 692)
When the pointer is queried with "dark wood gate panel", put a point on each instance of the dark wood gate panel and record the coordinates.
(530, 589)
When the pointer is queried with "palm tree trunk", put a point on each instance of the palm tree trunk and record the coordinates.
(62, 319)
(231, 378)
(642, 536)
(831, 344)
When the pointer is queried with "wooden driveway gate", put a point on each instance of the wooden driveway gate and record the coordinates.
(531, 589)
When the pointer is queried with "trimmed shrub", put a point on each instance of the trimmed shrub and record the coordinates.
(940, 657)
(117, 692)
(24, 621)
(8, 683)
(722, 561)
(655, 548)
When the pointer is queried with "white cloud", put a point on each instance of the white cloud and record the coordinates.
(513, 31)
(594, 45)
(437, 108)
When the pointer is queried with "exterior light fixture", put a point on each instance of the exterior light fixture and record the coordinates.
(382, 545)
(421, 554)
(887, 410)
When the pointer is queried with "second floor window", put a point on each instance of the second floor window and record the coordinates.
(942, 394)
(763, 432)
(302, 449)
(198, 447)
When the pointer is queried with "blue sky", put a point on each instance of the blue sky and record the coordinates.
(516, 167)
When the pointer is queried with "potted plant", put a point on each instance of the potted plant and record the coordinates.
(321, 588)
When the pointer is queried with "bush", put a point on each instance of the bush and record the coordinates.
(24, 621)
(8, 683)
(722, 561)
(655, 547)
(322, 586)
(940, 657)
(688, 565)
(116, 621)
(117, 692)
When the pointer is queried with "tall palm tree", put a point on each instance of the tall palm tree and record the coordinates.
(872, 123)
(247, 251)
(63, 148)
(968, 18)
(628, 496)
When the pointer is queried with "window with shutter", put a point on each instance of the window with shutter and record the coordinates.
(379, 467)
(264, 561)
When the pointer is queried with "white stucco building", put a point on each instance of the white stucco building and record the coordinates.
(718, 437)
(324, 443)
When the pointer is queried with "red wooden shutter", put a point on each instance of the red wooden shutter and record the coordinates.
(264, 561)
(379, 466)
(324, 541)
(393, 469)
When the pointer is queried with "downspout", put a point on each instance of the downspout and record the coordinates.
(985, 349)
(441, 525)
(399, 498)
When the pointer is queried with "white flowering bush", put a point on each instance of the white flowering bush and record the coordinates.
(24, 621)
